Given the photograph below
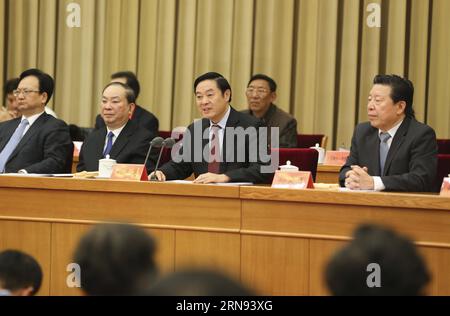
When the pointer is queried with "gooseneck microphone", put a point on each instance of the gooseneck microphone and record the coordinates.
(167, 143)
(155, 142)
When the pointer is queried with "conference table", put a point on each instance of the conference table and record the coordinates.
(277, 241)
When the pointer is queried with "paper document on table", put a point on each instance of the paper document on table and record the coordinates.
(39, 175)
(349, 190)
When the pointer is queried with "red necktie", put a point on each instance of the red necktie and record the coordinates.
(214, 150)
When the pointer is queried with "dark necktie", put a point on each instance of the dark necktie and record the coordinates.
(384, 149)
(214, 150)
(109, 144)
(12, 144)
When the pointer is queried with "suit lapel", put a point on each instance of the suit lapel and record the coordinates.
(232, 122)
(32, 132)
(373, 142)
(6, 135)
(396, 143)
(122, 140)
(99, 143)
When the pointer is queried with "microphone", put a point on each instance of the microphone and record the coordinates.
(155, 142)
(167, 143)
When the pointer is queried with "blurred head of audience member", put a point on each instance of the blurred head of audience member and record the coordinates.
(116, 259)
(198, 282)
(20, 274)
(402, 270)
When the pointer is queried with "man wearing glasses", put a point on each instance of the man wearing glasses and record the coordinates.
(261, 93)
(36, 142)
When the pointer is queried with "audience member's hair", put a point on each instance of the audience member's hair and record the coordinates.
(221, 82)
(9, 87)
(46, 83)
(198, 282)
(403, 271)
(116, 259)
(270, 81)
(402, 89)
(129, 93)
(19, 271)
(131, 80)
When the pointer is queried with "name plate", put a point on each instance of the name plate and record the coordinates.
(336, 158)
(292, 180)
(445, 188)
(130, 172)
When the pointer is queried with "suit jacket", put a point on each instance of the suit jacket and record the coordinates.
(411, 162)
(141, 117)
(130, 147)
(276, 117)
(45, 148)
(245, 171)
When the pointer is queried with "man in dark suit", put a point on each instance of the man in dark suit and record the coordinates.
(211, 150)
(35, 142)
(392, 151)
(139, 115)
(121, 139)
(261, 93)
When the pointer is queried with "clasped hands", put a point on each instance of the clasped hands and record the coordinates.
(358, 179)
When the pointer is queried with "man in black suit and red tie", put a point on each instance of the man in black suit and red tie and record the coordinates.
(36, 142)
(229, 157)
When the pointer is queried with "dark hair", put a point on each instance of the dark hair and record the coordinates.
(46, 83)
(10, 86)
(270, 81)
(129, 93)
(403, 271)
(402, 89)
(196, 282)
(221, 82)
(19, 270)
(131, 79)
(115, 259)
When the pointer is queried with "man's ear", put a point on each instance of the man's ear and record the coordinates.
(273, 96)
(131, 111)
(227, 95)
(401, 107)
(44, 98)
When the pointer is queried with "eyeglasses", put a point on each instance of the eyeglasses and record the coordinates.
(25, 92)
(259, 91)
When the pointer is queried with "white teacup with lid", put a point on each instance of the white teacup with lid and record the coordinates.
(288, 167)
(321, 153)
(105, 167)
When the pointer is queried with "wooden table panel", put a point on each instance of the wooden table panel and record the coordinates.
(34, 239)
(276, 265)
(208, 249)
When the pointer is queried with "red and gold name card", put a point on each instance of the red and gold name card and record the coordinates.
(131, 172)
(292, 180)
(336, 158)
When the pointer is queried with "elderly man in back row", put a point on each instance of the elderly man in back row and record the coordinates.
(261, 93)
